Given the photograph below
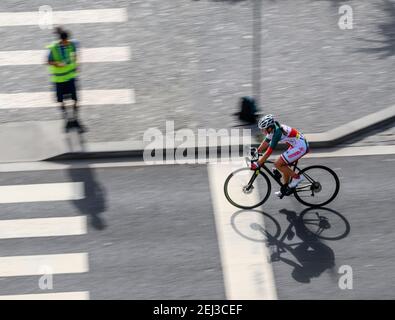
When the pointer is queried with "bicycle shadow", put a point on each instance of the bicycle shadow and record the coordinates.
(311, 256)
(94, 202)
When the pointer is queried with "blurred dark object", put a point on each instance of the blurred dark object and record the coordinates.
(248, 110)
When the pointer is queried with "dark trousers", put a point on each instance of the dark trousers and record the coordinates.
(66, 88)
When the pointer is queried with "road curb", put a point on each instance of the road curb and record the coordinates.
(329, 139)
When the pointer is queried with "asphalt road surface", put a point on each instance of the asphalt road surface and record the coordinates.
(151, 233)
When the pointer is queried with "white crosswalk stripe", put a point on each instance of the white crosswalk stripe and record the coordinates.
(42, 192)
(40, 264)
(81, 295)
(42, 227)
(47, 99)
(44, 264)
(9, 19)
(86, 55)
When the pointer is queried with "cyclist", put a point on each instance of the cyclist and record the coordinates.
(298, 147)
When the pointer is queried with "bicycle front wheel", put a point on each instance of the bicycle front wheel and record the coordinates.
(320, 186)
(246, 189)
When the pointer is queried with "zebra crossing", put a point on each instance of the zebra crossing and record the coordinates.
(27, 58)
(43, 264)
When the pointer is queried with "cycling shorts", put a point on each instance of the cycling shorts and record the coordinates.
(295, 152)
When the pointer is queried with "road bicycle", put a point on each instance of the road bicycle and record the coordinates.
(248, 189)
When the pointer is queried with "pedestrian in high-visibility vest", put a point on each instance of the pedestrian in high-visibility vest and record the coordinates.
(63, 66)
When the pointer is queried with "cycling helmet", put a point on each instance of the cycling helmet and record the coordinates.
(266, 122)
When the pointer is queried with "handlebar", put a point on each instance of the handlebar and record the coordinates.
(254, 156)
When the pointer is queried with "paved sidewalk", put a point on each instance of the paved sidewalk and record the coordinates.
(191, 62)
(40, 140)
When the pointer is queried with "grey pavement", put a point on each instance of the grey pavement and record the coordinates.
(366, 203)
(152, 234)
(192, 61)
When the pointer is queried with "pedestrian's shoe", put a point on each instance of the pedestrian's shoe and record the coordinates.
(295, 181)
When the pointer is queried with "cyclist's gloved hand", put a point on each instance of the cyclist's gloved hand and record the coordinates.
(255, 165)
(253, 151)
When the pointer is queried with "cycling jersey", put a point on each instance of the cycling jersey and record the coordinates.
(284, 133)
(298, 145)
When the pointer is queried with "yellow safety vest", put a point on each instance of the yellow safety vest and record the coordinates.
(69, 71)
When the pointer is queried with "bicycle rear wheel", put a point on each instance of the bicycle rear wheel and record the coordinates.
(320, 186)
(247, 190)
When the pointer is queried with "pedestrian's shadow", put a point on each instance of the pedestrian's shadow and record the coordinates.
(94, 202)
(75, 140)
(312, 256)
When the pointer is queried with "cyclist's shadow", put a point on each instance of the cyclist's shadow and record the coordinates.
(313, 257)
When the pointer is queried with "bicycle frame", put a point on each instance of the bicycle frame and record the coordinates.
(278, 180)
